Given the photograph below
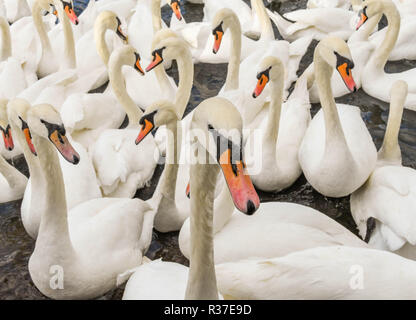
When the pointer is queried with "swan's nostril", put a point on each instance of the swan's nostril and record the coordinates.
(75, 159)
(251, 208)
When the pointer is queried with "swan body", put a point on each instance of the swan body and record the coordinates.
(272, 150)
(344, 4)
(374, 78)
(388, 196)
(122, 167)
(337, 145)
(334, 272)
(312, 22)
(120, 227)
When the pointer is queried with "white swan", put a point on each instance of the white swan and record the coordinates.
(361, 50)
(344, 4)
(122, 167)
(16, 9)
(374, 78)
(101, 238)
(320, 273)
(80, 183)
(318, 23)
(220, 136)
(272, 149)
(241, 76)
(383, 207)
(337, 154)
(12, 182)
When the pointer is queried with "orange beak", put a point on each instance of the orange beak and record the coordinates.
(147, 127)
(363, 19)
(64, 147)
(346, 75)
(188, 190)
(137, 65)
(217, 43)
(242, 191)
(157, 59)
(261, 84)
(28, 137)
(176, 9)
(7, 137)
(71, 14)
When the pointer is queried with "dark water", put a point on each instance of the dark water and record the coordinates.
(16, 246)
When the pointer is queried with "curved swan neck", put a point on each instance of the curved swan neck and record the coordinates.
(38, 22)
(100, 43)
(390, 149)
(202, 282)
(223, 208)
(233, 71)
(273, 119)
(323, 73)
(53, 230)
(173, 153)
(6, 47)
(156, 16)
(186, 79)
(266, 25)
(70, 57)
(393, 28)
(119, 88)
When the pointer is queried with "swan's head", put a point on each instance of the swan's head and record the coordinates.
(217, 128)
(168, 48)
(270, 69)
(337, 55)
(369, 9)
(69, 10)
(108, 20)
(44, 121)
(176, 8)
(125, 55)
(221, 22)
(158, 114)
(5, 126)
(17, 113)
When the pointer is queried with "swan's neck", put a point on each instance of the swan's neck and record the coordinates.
(70, 57)
(173, 152)
(156, 16)
(40, 28)
(390, 149)
(233, 72)
(101, 44)
(119, 88)
(223, 207)
(53, 230)
(186, 79)
(323, 73)
(273, 119)
(266, 25)
(393, 28)
(10, 173)
(201, 280)
(6, 47)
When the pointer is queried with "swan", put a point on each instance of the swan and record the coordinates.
(219, 138)
(344, 4)
(16, 9)
(272, 149)
(241, 76)
(374, 78)
(336, 272)
(337, 153)
(361, 50)
(12, 182)
(314, 22)
(383, 207)
(122, 167)
(92, 243)
(80, 182)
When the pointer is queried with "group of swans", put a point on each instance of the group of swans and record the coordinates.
(76, 153)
